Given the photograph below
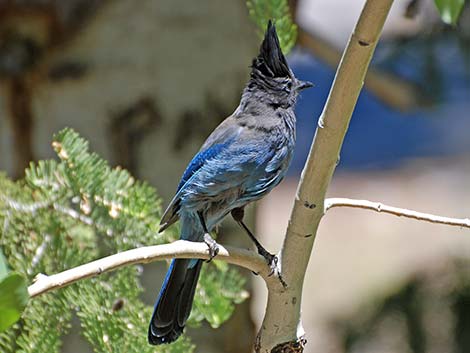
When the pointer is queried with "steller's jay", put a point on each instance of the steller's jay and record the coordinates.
(243, 159)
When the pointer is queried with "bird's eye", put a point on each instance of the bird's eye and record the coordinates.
(288, 86)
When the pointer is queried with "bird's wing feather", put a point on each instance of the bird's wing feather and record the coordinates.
(241, 169)
(218, 141)
(234, 158)
(274, 171)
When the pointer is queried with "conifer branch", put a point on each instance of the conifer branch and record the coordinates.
(23, 207)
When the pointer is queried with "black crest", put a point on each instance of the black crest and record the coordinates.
(270, 61)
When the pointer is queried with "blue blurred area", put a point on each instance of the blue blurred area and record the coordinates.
(380, 137)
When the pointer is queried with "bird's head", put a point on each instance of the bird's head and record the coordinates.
(271, 73)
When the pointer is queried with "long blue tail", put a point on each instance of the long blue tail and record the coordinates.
(174, 302)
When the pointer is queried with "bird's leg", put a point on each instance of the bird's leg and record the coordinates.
(237, 214)
(210, 242)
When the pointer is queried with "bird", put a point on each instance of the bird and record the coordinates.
(241, 161)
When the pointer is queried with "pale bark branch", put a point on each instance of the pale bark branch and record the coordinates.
(184, 249)
(178, 249)
(396, 211)
(282, 323)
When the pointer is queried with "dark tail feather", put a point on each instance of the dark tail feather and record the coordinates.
(174, 302)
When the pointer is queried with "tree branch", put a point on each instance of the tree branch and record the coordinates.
(282, 325)
(396, 211)
(185, 249)
(178, 249)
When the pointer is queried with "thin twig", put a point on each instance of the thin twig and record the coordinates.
(25, 207)
(40, 251)
(400, 212)
(178, 249)
(73, 214)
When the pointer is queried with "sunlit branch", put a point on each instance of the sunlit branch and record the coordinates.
(178, 249)
(396, 211)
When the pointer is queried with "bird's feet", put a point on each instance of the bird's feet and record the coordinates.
(272, 261)
(212, 245)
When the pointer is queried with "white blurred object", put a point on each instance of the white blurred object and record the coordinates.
(334, 20)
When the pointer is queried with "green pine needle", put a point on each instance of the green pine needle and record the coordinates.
(261, 11)
(68, 212)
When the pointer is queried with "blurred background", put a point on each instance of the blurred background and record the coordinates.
(145, 82)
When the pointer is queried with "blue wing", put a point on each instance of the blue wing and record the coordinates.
(235, 165)
(199, 159)
(220, 139)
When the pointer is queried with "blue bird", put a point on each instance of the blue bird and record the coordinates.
(243, 159)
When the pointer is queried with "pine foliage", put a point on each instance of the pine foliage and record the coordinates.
(71, 211)
(261, 11)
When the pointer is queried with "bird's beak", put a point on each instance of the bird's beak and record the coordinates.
(303, 85)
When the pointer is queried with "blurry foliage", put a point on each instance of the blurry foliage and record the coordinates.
(430, 311)
(261, 11)
(13, 295)
(68, 212)
(449, 10)
(220, 288)
(419, 59)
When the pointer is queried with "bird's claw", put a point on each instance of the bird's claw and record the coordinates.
(272, 261)
(212, 245)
